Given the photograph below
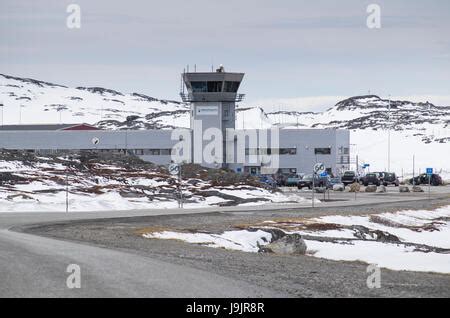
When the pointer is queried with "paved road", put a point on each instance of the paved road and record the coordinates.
(36, 267)
(33, 266)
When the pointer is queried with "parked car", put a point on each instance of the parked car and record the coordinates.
(268, 180)
(281, 180)
(436, 179)
(390, 178)
(325, 181)
(380, 175)
(371, 178)
(292, 181)
(334, 181)
(307, 182)
(349, 177)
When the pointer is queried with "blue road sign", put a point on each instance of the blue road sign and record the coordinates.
(324, 174)
(429, 171)
(366, 165)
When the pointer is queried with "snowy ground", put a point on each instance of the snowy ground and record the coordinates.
(246, 241)
(427, 231)
(404, 145)
(41, 186)
(406, 240)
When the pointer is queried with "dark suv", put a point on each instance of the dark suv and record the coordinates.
(380, 175)
(307, 181)
(349, 177)
(436, 179)
(390, 178)
(371, 178)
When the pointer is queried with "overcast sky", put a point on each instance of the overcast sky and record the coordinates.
(289, 49)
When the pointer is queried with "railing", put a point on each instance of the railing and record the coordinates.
(187, 98)
(239, 98)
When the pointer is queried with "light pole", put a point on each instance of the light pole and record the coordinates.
(389, 135)
(2, 106)
(59, 110)
(20, 114)
(67, 190)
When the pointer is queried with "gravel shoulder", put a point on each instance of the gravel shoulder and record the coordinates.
(297, 276)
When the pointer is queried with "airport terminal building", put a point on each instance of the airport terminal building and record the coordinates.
(212, 97)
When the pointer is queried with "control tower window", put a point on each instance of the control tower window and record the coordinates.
(199, 87)
(214, 87)
(232, 87)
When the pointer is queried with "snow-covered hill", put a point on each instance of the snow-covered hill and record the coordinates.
(420, 129)
(30, 101)
(371, 112)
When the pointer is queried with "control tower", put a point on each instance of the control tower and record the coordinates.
(213, 97)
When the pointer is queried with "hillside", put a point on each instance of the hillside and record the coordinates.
(31, 101)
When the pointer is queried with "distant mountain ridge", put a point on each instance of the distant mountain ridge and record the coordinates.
(43, 102)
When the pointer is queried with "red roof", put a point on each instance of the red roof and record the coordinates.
(81, 127)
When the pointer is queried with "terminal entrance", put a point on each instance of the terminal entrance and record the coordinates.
(254, 171)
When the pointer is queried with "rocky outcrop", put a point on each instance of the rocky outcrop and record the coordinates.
(371, 188)
(290, 244)
(403, 189)
(381, 189)
(417, 189)
(355, 187)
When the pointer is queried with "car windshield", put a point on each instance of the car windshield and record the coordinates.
(307, 177)
(349, 173)
(371, 175)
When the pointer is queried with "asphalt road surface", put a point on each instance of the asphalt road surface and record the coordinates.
(35, 266)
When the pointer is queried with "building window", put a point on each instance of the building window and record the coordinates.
(199, 87)
(158, 152)
(214, 87)
(288, 151)
(346, 151)
(232, 87)
(153, 152)
(344, 159)
(287, 171)
(252, 170)
(322, 151)
(270, 151)
(251, 151)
